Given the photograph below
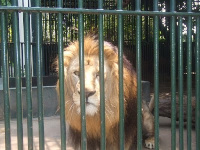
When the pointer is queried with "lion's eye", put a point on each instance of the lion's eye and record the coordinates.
(97, 74)
(77, 73)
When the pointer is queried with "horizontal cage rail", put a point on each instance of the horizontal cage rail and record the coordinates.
(96, 11)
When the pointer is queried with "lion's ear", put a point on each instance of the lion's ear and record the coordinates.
(70, 52)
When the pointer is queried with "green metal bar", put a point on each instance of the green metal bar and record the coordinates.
(101, 69)
(45, 24)
(28, 79)
(51, 30)
(96, 11)
(189, 82)
(121, 85)
(82, 77)
(61, 79)
(17, 76)
(33, 20)
(139, 75)
(39, 75)
(180, 77)
(173, 75)
(4, 59)
(189, 76)
(198, 84)
(156, 75)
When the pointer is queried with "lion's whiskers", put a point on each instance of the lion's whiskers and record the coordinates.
(113, 106)
(72, 109)
(107, 116)
(109, 110)
(67, 101)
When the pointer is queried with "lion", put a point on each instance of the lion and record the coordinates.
(148, 124)
(92, 96)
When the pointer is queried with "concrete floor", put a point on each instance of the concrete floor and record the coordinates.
(52, 134)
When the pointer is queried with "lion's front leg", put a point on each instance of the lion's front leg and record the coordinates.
(148, 126)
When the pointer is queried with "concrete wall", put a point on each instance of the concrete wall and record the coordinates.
(49, 100)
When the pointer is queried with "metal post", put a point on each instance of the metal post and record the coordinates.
(61, 79)
(121, 85)
(180, 83)
(189, 76)
(4, 59)
(17, 75)
(173, 75)
(198, 84)
(39, 75)
(82, 77)
(139, 75)
(28, 79)
(101, 69)
(156, 75)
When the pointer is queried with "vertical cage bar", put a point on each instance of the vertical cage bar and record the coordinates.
(17, 75)
(101, 69)
(4, 59)
(121, 85)
(198, 84)
(82, 77)
(61, 78)
(28, 79)
(139, 75)
(39, 75)
(156, 75)
(180, 83)
(173, 75)
(189, 76)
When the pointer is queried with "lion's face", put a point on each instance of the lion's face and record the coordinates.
(92, 85)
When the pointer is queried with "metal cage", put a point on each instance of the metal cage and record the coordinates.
(51, 24)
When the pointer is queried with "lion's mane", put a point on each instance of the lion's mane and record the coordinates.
(91, 48)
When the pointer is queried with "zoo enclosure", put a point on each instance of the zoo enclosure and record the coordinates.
(69, 23)
(70, 33)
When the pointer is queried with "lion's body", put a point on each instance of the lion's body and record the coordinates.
(92, 92)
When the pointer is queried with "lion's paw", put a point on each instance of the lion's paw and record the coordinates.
(149, 142)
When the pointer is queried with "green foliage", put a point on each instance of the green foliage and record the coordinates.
(5, 2)
(70, 21)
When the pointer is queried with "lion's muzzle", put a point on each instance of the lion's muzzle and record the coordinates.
(88, 93)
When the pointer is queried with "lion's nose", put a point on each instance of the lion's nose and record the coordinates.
(89, 93)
